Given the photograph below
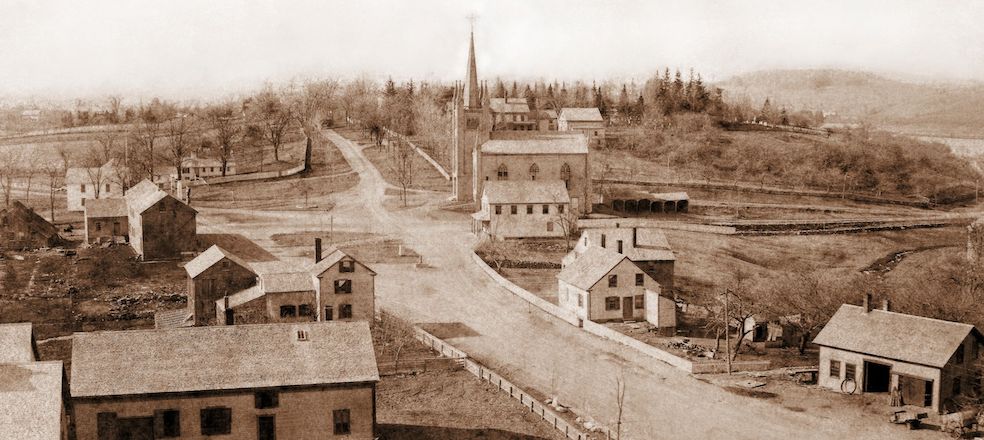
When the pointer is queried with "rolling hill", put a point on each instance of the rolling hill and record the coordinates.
(945, 109)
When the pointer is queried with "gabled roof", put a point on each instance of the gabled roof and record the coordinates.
(30, 218)
(334, 256)
(137, 362)
(209, 258)
(79, 175)
(590, 114)
(510, 105)
(16, 342)
(140, 190)
(538, 144)
(101, 208)
(31, 400)
(590, 267)
(241, 297)
(526, 191)
(650, 243)
(141, 197)
(908, 338)
(287, 282)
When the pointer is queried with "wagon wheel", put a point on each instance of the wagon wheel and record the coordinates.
(849, 386)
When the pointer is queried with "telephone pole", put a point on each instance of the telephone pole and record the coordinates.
(727, 329)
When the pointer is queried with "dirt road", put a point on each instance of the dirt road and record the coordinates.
(525, 344)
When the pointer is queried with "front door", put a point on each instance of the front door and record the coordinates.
(266, 428)
(627, 307)
(876, 377)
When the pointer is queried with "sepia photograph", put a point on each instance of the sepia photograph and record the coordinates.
(491, 220)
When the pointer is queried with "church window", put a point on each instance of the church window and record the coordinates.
(565, 175)
(534, 170)
(503, 172)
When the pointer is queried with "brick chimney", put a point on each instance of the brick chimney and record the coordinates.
(867, 303)
(317, 250)
(885, 305)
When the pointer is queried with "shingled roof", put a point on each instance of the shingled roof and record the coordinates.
(590, 267)
(137, 362)
(102, 208)
(31, 400)
(546, 144)
(590, 114)
(526, 191)
(650, 243)
(16, 342)
(207, 259)
(907, 338)
(334, 256)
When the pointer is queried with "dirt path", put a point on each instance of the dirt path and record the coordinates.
(525, 344)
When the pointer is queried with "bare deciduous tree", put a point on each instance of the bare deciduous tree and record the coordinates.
(274, 117)
(401, 165)
(227, 129)
(619, 402)
(566, 219)
(309, 103)
(181, 140)
(9, 163)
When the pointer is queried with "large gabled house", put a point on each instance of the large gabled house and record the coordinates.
(524, 209)
(160, 226)
(85, 183)
(930, 362)
(587, 120)
(213, 274)
(603, 285)
(22, 228)
(268, 381)
(646, 247)
(336, 287)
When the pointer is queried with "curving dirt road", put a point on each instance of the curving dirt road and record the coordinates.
(527, 345)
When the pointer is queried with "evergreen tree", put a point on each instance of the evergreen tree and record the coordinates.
(390, 88)
(500, 89)
(410, 88)
(515, 91)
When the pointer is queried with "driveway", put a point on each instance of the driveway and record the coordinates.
(527, 345)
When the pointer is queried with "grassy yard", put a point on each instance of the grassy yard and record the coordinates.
(424, 175)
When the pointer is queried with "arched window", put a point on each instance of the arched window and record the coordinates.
(503, 172)
(534, 170)
(565, 175)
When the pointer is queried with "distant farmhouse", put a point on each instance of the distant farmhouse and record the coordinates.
(587, 121)
(288, 381)
(225, 289)
(31, 392)
(82, 183)
(523, 209)
(929, 361)
(194, 168)
(106, 220)
(498, 139)
(603, 285)
(22, 228)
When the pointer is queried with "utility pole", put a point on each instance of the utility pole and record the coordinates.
(727, 329)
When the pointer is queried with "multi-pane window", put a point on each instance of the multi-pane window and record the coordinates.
(342, 421)
(640, 279)
(329, 313)
(288, 311)
(345, 311)
(546, 209)
(107, 187)
(343, 286)
(346, 266)
(216, 421)
(835, 368)
(849, 370)
(618, 244)
(503, 172)
(305, 310)
(640, 301)
(82, 187)
(498, 209)
(513, 209)
(266, 399)
(612, 303)
(529, 209)
(613, 281)
(534, 170)
(550, 226)
(167, 423)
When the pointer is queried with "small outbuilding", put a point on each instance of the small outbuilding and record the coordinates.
(22, 228)
(105, 220)
(928, 362)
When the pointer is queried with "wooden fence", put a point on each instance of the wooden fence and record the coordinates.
(544, 412)
(263, 175)
(421, 152)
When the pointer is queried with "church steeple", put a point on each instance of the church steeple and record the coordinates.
(471, 92)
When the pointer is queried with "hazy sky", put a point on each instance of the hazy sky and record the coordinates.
(186, 48)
